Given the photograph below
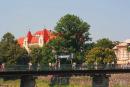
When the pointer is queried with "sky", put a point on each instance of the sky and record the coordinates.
(107, 18)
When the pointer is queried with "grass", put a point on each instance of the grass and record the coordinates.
(9, 83)
(45, 82)
(71, 83)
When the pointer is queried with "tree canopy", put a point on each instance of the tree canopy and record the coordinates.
(100, 56)
(74, 30)
(102, 52)
(10, 51)
(75, 33)
(51, 49)
(104, 43)
(35, 55)
(72, 36)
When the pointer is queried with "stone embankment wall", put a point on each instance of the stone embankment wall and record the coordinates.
(115, 80)
(119, 80)
(74, 81)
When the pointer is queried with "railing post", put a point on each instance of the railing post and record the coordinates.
(100, 80)
(27, 81)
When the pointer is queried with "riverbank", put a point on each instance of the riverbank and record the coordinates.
(115, 80)
(119, 80)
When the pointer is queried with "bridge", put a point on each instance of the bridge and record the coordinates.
(97, 72)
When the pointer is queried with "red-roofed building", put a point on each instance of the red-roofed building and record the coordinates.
(20, 41)
(39, 38)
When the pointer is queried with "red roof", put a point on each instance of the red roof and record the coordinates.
(34, 40)
(20, 41)
(46, 34)
(29, 36)
(41, 32)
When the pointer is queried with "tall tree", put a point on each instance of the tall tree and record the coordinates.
(10, 51)
(75, 32)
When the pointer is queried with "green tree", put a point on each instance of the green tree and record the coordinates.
(47, 55)
(51, 49)
(75, 32)
(35, 55)
(100, 56)
(10, 51)
(105, 43)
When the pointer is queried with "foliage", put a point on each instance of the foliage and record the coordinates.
(36, 55)
(50, 49)
(47, 55)
(89, 46)
(104, 43)
(10, 51)
(100, 56)
(128, 48)
(23, 59)
(102, 52)
(79, 57)
(57, 45)
(75, 33)
(116, 43)
(53, 48)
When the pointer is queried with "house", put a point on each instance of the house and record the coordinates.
(122, 51)
(39, 38)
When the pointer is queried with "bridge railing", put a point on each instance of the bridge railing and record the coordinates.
(63, 67)
(16, 68)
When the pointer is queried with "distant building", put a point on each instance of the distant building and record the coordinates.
(39, 38)
(122, 51)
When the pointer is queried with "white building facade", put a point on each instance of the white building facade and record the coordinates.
(122, 52)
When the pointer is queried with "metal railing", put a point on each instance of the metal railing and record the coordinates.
(64, 67)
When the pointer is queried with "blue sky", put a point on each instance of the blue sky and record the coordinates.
(108, 18)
